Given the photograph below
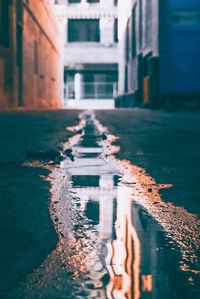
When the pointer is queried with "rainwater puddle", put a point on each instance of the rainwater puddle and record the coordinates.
(109, 246)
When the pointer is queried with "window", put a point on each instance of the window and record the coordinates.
(133, 46)
(79, 1)
(74, 1)
(116, 30)
(92, 1)
(83, 30)
(36, 57)
(148, 22)
(19, 36)
(141, 23)
(128, 35)
(130, 50)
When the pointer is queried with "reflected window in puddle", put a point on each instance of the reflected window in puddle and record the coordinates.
(92, 211)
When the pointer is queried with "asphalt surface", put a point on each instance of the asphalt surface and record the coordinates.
(166, 145)
(27, 234)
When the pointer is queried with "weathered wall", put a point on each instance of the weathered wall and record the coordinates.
(40, 56)
(145, 36)
(165, 66)
(6, 78)
(34, 50)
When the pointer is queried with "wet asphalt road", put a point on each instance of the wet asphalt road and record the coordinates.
(166, 145)
(27, 233)
(113, 247)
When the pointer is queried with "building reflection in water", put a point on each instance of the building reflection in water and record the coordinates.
(117, 274)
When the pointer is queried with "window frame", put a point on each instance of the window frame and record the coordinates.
(94, 36)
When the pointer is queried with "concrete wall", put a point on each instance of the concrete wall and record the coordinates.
(104, 51)
(32, 60)
(146, 39)
(124, 12)
(84, 58)
(76, 54)
(127, 70)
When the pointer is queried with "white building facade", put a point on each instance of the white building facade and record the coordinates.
(90, 57)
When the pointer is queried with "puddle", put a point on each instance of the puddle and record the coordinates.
(109, 246)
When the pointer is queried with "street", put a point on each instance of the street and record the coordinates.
(100, 204)
(99, 149)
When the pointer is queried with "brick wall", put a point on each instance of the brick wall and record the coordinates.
(41, 56)
(37, 57)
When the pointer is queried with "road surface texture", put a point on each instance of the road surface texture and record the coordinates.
(166, 145)
(27, 233)
(84, 215)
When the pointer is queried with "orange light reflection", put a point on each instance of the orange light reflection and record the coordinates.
(125, 255)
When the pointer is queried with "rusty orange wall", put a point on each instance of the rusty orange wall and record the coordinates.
(6, 78)
(41, 83)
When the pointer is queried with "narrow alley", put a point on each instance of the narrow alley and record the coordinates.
(99, 149)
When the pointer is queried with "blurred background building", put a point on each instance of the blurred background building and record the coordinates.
(90, 52)
(29, 55)
(159, 51)
(72, 60)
